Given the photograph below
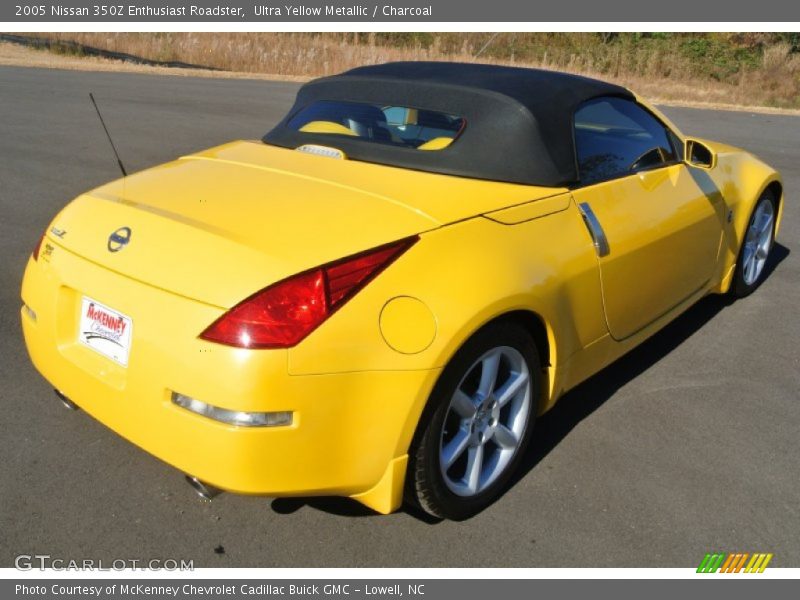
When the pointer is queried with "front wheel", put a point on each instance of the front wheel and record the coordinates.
(756, 247)
(477, 425)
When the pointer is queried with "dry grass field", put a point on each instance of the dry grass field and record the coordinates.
(723, 69)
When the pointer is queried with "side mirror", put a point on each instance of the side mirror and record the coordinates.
(697, 154)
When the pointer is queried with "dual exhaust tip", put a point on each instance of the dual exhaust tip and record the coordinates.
(66, 401)
(205, 490)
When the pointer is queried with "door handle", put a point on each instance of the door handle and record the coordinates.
(595, 229)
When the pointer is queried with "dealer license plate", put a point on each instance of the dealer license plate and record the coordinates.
(105, 330)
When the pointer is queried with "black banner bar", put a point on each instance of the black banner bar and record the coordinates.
(308, 11)
(729, 587)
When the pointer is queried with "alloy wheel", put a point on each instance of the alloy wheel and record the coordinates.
(758, 242)
(485, 421)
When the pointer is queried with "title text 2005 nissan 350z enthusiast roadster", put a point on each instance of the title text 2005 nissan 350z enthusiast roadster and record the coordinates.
(378, 298)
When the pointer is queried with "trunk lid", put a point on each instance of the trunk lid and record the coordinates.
(222, 224)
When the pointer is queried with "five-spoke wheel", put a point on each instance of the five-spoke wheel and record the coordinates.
(485, 421)
(756, 246)
(477, 423)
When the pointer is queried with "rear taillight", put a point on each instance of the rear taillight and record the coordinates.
(36, 248)
(283, 314)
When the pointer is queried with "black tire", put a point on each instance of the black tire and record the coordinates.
(740, 286)
(425, 483)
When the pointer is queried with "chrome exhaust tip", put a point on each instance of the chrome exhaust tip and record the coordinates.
(66, 401)
(203, 489)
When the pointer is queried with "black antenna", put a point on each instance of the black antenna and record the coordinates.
(113, 147)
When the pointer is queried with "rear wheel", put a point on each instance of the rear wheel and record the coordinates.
(757, 244)
(477, 425)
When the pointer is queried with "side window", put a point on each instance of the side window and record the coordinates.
(615, 137)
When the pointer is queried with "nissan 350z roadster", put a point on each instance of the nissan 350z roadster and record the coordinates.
(379, 298)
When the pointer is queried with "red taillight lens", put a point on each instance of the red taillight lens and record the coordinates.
(347, 276)
(37, 248)
(282, 315)
(277, 317)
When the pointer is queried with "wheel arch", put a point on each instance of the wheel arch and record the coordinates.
(742, 192)
(540, 330)
(757, 179)
(775, 186)
(538, 327)
(535, 325)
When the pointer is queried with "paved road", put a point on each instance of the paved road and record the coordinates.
(687, 445)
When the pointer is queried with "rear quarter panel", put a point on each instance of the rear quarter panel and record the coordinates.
(467, 274)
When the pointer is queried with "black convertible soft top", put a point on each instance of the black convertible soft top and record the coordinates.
(519, 121)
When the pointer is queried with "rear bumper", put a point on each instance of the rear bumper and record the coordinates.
(350, 431)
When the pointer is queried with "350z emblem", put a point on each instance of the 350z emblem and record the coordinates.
(119, 239)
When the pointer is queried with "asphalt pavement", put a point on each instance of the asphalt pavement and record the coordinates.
(687, 445)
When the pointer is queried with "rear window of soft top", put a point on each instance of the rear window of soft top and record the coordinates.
(402, 126)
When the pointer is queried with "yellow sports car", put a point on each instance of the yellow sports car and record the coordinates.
(378, 298)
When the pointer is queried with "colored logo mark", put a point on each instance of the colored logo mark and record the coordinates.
(734, 563)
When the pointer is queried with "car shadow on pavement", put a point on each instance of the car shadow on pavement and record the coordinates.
(581, 401)
(573, 407)
(344, 507)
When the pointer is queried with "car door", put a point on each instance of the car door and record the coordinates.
(656, 229)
